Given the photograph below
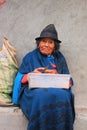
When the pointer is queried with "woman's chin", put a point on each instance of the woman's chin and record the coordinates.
(44, 53)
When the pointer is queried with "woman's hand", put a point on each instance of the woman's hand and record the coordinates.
(44, 70)
(53, 71)
(39, 70)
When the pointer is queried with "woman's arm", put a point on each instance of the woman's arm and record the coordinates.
(16, 87)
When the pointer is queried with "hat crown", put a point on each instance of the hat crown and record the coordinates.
(50, 29)
(50, 32)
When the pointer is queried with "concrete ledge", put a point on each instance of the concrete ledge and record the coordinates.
(12, 118)
(81, 118)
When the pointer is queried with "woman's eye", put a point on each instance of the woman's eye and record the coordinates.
(43, 40)
(50, 42)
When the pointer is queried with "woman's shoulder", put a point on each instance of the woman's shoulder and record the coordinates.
(60, 55)
(30, 54)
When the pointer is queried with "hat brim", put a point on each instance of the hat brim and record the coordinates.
(39, 38)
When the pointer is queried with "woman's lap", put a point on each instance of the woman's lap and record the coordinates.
(47, 109)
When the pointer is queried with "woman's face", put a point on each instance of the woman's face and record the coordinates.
(47, 46)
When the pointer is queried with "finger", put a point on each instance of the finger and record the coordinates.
(37, 70)
(41, 68)
(48, 71)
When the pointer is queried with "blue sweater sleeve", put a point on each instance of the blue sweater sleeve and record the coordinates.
(16, 88)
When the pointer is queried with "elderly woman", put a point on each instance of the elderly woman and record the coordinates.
(50, 108)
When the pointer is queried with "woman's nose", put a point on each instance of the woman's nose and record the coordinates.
(46, 43)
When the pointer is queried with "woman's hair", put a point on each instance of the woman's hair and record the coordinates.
(57, 45)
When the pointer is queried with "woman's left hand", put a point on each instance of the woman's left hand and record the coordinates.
(51, 71)
(43, 70)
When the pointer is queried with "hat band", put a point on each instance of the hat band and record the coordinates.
(49, 35)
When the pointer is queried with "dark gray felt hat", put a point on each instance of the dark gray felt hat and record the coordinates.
(50, 32)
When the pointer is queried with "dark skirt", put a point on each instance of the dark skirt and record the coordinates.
(48, 109)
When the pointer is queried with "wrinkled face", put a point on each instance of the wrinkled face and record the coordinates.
(47, 46)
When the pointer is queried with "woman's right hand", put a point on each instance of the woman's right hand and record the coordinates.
(38, 70)
(44, 70)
